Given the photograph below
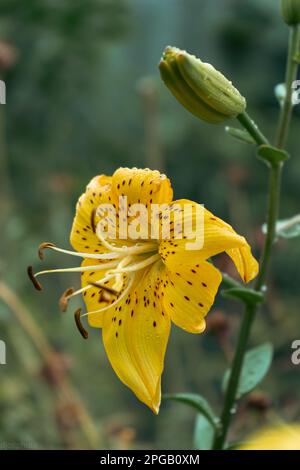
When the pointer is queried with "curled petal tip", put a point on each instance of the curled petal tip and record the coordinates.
(155, 409)
(33, 279)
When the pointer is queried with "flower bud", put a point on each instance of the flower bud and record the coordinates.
(290, 10)
(199, 87)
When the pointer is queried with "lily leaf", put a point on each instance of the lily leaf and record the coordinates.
(240, 134)
(286, 228)
(229, 282)
(272, 155)
(244, 294)
(203, 434)
(197, 402)
(256, 365)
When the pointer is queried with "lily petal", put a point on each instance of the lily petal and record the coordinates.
(94, 297)
(83, 237)
(135, 336)
(142, 186)
(218, 237)
(188, 294)
(245, 263)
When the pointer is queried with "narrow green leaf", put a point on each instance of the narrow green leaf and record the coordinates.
(271, 155)
(203, 434)
(244, 294)
(229, 282)
(197, 402)
(240, 134)
(256, 365)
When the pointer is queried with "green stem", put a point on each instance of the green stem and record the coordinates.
(230, 397)
(252, 128)
(272, 215)
(250, 310)
(291, 75)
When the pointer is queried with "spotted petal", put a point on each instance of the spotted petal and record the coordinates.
(142, 186)
(83, 237)
(135, 336)
(94, 297)
(218, 237)
(189, 292)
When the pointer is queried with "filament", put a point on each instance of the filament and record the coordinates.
(51, 246)
(130, 283)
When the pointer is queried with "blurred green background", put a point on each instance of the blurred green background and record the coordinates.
(84, 97)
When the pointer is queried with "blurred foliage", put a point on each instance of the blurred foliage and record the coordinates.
(75, 108)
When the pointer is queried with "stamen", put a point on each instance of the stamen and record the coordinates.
(145, 247)
(93, 219)
(138, 266)
(79, 325)
(79, 291)
(116, 301)
(119, 277)
(42, 247)
(98, 267)
(106, 288)
(69, 293)
(104, 297)
(36, 284)
(64, 300)
(51, 246)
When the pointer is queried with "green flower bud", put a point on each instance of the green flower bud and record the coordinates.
(290, 10)
(199, 87)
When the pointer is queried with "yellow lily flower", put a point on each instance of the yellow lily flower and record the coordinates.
(280, 437)
(134, 288)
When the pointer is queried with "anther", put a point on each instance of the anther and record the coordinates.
(79, 325)
(93, 219)
(104, 297)
(106, 288)
(36, 284)
(42, 247)
(63, 301)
